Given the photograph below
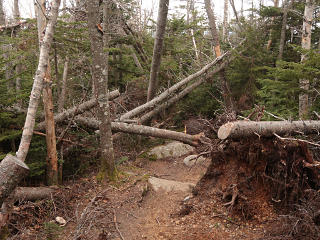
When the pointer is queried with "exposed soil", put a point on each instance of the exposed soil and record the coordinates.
(239, 195)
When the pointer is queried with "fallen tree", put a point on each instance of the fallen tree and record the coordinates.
(241, 129)
(32, 193)
(151, 104)
(77, 110)
(183, 93)
(143, 130)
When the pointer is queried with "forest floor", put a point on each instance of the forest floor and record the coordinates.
(129, 209)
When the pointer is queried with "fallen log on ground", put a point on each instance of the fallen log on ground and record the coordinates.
(151, 104)
(182, 94)
(32, 193)
(240, 129)
(77, 110)
(143, 130)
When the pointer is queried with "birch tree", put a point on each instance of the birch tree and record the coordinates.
(306, 44)
(157, 49)
(100, 78)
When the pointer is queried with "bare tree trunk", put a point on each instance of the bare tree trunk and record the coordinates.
(143, 130)
(242, 129)
(213, 27)
(136, 59)
(235, 11)
(157, 49)
(306, 44)
(276, 4)
(100, 74)
(62, 96)
(214, 33)
(225, 20)
(190, 9)
(38, 83)
(283, 29)
(77, 110)
(16, 12)
(2, 16)
(52, 157)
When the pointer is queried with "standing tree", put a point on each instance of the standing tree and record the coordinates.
(100, 79)
(2, 16)
(52, 157)
(276, 4)
(225, 20)
(283, 29)
(16, 12)
(306, 44)
(157, 49)
(215, 38)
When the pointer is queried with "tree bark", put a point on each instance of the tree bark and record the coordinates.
(213, 27)
(225, 20)
(12, 170)
(62, 96)
(32, 193)
(190, 9)
(52, 157)
(226, 93)
(143, 130)
(16, 12)
(157, 49)
(2, 16)
(151, 104)
(283, 29)
(306, 44)
(38, 83)
(242, 129)
(100, 77)
(235, 12)
(77, 110)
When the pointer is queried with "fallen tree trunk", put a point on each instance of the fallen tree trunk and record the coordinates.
(242, 129)
(143, 130)
(12, 170)
(32, 193)
(182, 94)
(151, 104)
(77, 110)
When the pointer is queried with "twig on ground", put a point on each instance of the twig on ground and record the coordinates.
(116, 224)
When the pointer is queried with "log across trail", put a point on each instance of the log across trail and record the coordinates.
(240, 129)
(143, 130)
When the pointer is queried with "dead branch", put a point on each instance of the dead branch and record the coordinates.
(144, 130)
(77, 109)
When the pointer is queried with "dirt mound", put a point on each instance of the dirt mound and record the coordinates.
(257, 178)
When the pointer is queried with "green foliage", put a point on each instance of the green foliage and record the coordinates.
(52, 230)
